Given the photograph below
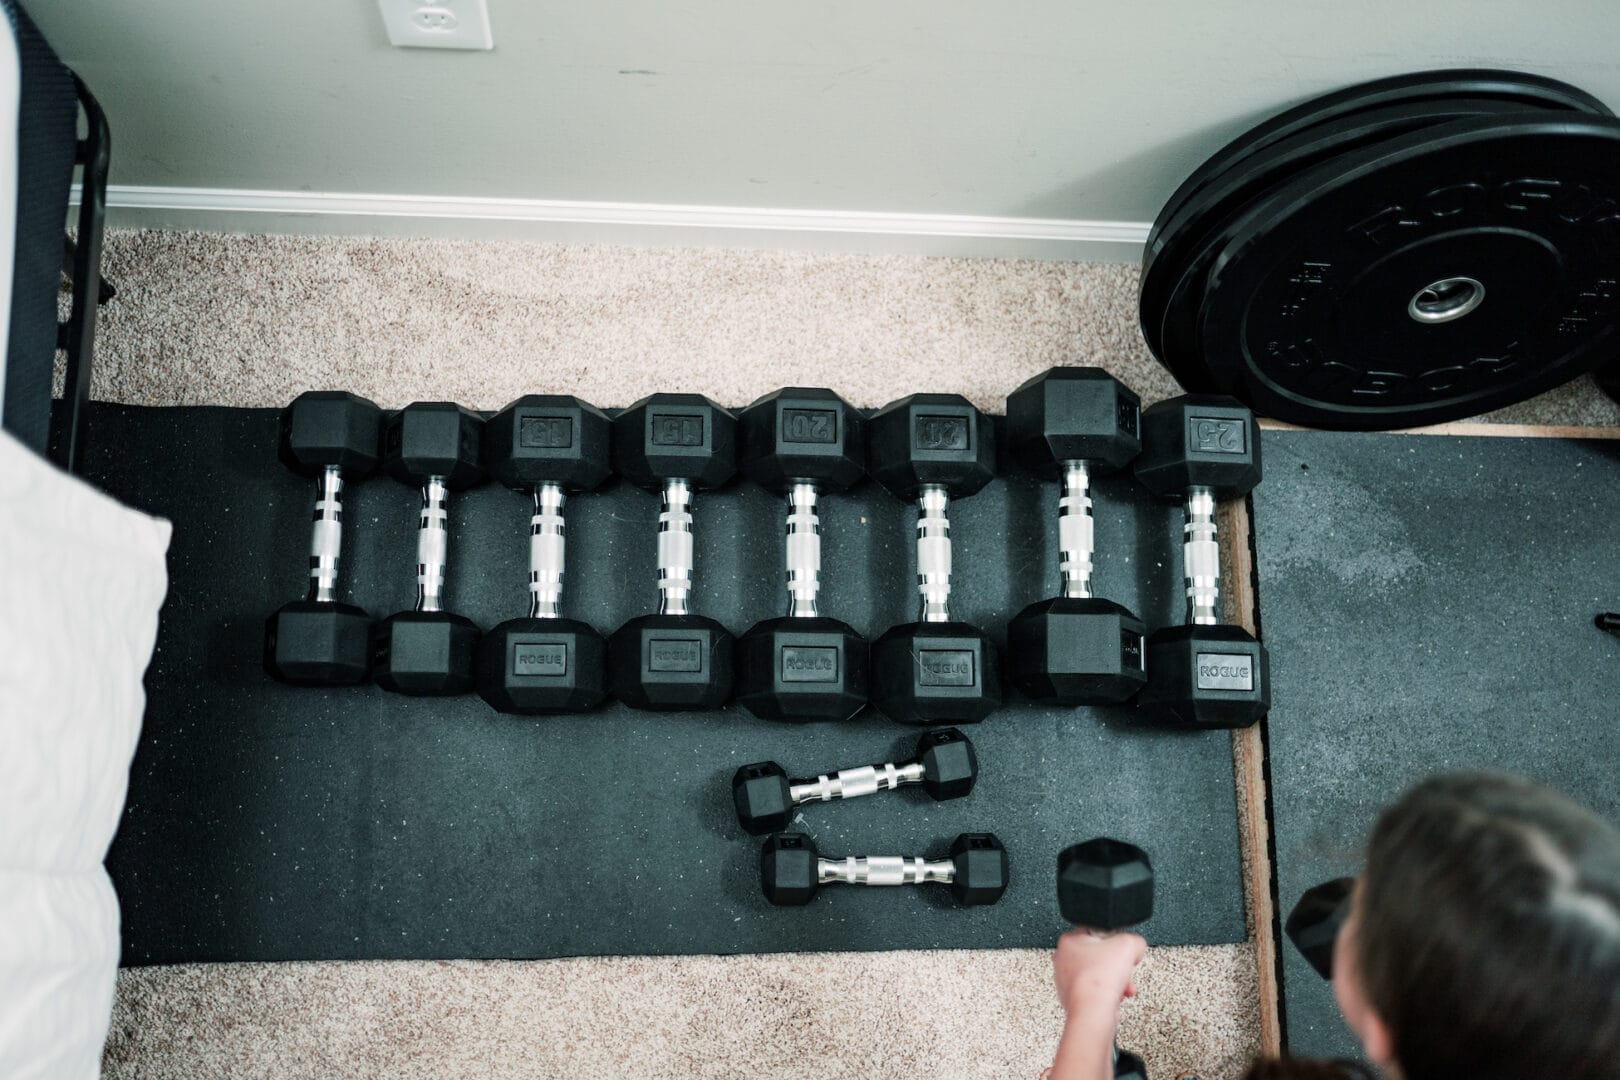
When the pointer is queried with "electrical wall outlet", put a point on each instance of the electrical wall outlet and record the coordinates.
(437, 24)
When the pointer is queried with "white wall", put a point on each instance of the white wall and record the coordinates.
(1050, 109)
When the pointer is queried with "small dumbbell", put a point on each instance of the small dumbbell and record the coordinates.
(1313, 926)
(434, 446)
(933, 448)
(945, 766)
(1069, 424)
(790, 870)
(548, 447)
(673, 660)
(331, 437)
(1106, 885)
(1205, 674)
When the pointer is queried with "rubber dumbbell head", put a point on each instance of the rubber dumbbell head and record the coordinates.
(1214, 676)
(931, 439)
(547, 447)
(1314, 924)
(674, 660)
(1199, 441)
(435, 446)
(798, 668)
(933, 673)
(945, 766)
(332, 436)
(1074, 414)
(1105, 884)
(801, 434)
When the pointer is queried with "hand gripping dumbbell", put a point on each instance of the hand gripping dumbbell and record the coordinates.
(932, 448)
(1103, 886)
(790, 870)
(674, 444)
(1069, 424)
(433, 445)
(320, 640)
(1314, 924)
(945, 766)
(799, 442)
(546, 447)
(1205, 674)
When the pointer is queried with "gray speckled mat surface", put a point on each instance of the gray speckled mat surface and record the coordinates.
(1428, 602)
(267, 822)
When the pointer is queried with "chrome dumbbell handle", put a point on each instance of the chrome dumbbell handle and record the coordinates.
(326, 537)
(675, 549)
(1201, 555)
(803, 551)
(934, 553)
(852, 783)
(884, 870)
(547, 547)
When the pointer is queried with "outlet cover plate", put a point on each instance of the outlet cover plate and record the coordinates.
(437, 24)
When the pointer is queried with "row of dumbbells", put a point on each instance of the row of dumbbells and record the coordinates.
(1067, 424)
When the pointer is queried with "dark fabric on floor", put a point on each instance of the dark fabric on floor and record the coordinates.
(274, 823)
(1428, 601)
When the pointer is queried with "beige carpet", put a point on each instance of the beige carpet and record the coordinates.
(254, 320)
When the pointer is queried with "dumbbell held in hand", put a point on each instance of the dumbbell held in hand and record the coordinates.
(331, 437)
(765, 797)
(1107, 885)
(434, 446)
(791, 870)
(1314, 924)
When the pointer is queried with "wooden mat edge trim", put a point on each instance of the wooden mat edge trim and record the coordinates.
(1248, 764)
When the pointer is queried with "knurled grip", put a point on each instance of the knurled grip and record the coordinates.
(852, 783)
(432, 545)
(884, 870)
(1076, 530)
(547, 552)
(803, 551)
(326, 537)
(1201, 555)
(934, 553)
(675, 548)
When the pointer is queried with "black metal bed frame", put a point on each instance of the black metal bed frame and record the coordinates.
(82, 264)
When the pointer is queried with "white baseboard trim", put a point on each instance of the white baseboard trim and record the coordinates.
(559, 221)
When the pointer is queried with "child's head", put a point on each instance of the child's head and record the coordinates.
(1484, 938)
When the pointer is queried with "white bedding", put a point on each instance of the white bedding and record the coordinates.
(81, 581)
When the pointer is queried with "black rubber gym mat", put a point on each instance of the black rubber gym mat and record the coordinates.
(272, 823)
(1428, 601)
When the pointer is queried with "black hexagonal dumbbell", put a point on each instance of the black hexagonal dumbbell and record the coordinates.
(932, 448)
(1069, 424)
(790, 869)
(1314, 923)
(945, 766)
(1205, 674)
(433, 445)
(547, 447)
(798, 443)
(1106, 885)
(320, 640)
(674, 444)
